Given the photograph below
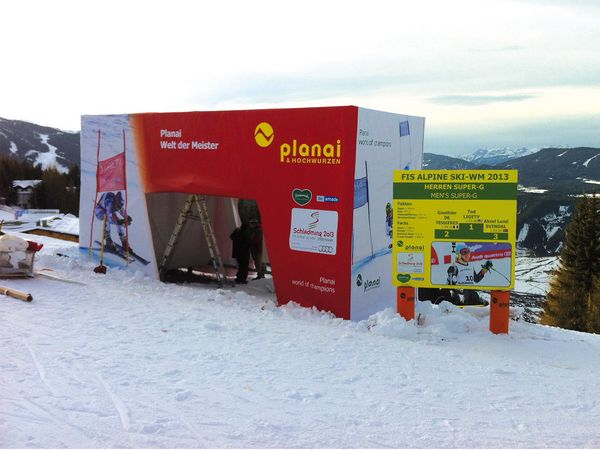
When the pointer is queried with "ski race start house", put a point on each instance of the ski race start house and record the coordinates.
(322, 179)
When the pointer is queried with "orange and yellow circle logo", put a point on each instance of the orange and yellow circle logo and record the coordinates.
(263, 134)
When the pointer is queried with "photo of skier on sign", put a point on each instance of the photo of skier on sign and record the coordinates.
(464, 267)
(110, 208)
(462, 272)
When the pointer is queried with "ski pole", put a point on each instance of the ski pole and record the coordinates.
(453, 262)
(501, 274)
(102, 268)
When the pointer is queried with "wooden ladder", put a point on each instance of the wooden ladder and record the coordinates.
(209, 234)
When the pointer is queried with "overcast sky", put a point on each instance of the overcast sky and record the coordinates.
(483, 73)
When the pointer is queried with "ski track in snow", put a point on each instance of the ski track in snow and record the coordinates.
(40, 369)
(119, 405)
(131, 362)
(49, 158)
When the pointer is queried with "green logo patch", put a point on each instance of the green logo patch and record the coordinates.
(403, 277)
(302, 196)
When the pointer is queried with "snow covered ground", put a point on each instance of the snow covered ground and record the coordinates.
(125, 361)
(7, 215)
(64, 223)
(532, 275)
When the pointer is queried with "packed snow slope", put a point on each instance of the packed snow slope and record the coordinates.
(125, 361)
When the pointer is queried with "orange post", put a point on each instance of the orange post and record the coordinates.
(405, 298)
(499, 312)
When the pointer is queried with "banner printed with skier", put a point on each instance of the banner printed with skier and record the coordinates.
(110, 208)
(385, 143)
(382, 147)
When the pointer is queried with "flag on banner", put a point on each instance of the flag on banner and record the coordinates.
(361, 192)
(111, 174)
(404, 128)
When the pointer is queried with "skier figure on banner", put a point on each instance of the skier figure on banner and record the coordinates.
(461, 272)
(389, 221)
(112, 206)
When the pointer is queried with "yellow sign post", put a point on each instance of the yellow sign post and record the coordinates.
(455, 229)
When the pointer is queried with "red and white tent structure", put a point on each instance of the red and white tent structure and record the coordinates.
(322, 179)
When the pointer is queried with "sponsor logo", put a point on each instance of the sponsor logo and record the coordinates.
(314, 231)
(403, 277)
(367, 284)
(412, 262)
(264, 134)
(302, 196)
(297, 152)
(314, 223)
(372, 284)
(304, 153)
(359, 280)
(328, 199)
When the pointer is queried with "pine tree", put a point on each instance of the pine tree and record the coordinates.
(574, 289)
(593, 316)
(50, 193)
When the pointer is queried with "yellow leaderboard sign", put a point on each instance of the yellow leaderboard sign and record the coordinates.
(455, 227)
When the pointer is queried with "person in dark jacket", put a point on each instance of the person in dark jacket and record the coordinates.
(255, 240)
(250, 215)
(241, 252)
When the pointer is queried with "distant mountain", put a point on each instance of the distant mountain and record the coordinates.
(39, 145)
(431, 161)
(564, 170)
(494, 156)
(550, 182)
(541, 222)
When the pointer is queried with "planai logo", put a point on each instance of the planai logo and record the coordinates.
(372, 284)
(298, 151)
(368, 284)
(264, 134)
